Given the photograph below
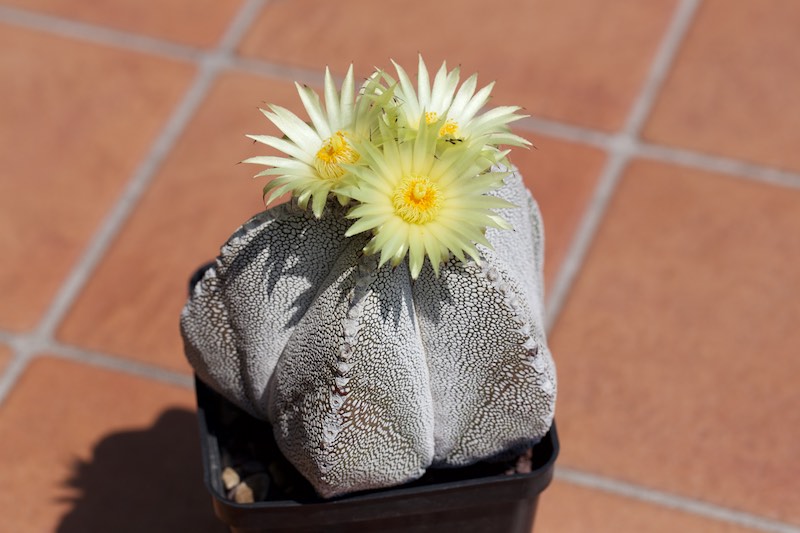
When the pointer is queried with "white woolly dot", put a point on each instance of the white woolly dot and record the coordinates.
(547, 386)
(341, 381)
(351, 327)
(343, 367)
(336, 401)
(346, 350)
(331, 425)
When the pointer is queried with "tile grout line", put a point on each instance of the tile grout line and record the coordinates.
(13, 370)
(559, 130)
(119, 364)
(566, 132)
(674, 155)
(30, 344)
(239, 26)
(718, 164)
(622, 148)
(280, 72)
(26, 346)
(672, 501)
(102, 35)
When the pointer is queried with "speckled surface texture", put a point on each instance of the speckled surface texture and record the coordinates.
(367, 376)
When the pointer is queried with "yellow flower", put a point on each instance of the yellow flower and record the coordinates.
(455, 111)
(414, 162)
(318, 152)
(419, 203)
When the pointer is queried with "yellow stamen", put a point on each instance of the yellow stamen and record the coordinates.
(334, 152)
(416, 200)
(449, 129)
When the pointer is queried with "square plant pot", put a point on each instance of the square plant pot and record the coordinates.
(479, 498)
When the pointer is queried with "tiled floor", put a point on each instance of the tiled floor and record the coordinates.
(666, 166)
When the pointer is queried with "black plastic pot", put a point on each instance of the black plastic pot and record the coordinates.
(459, 503)
(477, 499)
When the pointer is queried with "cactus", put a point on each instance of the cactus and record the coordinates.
(372, 367)
(370, 377)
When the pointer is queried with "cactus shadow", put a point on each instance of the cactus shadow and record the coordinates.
(260, 254)
(272, 267)
(435, 295)
(255, 256)
(143, 480)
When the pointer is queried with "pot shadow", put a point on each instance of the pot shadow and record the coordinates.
(143, 480)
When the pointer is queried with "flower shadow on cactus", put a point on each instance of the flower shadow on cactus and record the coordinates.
(273, 268)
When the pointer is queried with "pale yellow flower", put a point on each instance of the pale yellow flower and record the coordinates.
(318, 152)
(420, 202)
(454, 108)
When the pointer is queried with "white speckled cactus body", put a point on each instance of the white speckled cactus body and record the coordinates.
(367, 376)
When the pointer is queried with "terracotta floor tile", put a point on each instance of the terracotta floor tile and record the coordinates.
(193, 22)
(132, 304)
(733, 91)
(567, 508)
(76, 121)
(576, 60)
(677, 349)
(86, 449)
(562, 177)
(5, 357)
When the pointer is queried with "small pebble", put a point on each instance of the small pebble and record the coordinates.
(241, 494)
(252, 489)
(230, 478)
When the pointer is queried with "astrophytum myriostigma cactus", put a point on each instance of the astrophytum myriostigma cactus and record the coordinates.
(368, 376)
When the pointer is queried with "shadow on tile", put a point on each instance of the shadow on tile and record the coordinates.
(143, 480)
